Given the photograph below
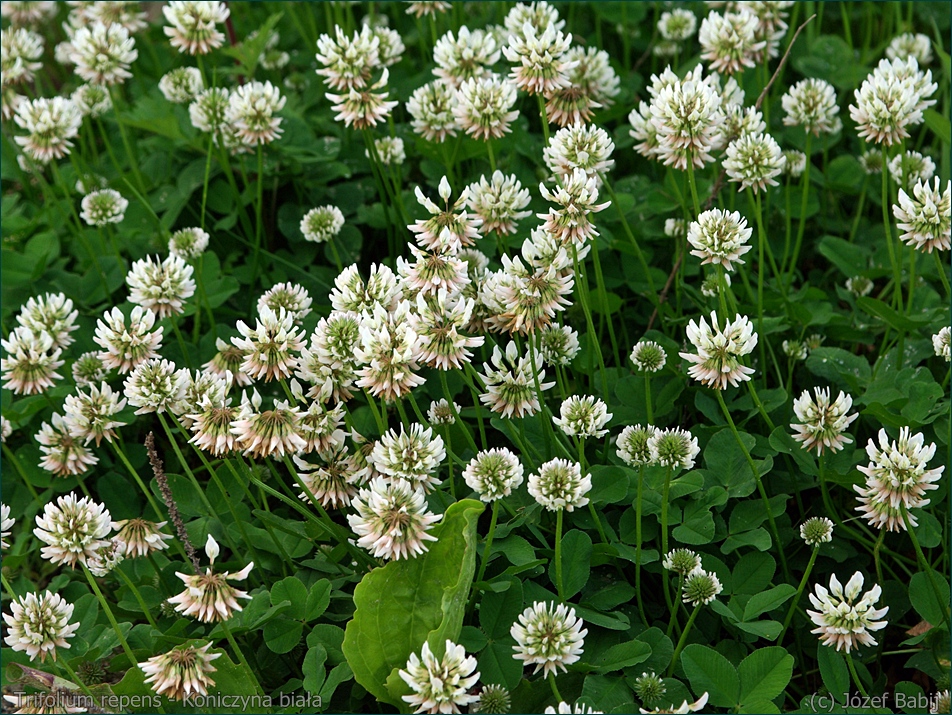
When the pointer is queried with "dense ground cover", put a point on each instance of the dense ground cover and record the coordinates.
(362, 357)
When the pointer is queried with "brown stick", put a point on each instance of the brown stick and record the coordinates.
(159, 470)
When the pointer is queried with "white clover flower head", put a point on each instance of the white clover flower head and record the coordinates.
(322, 223)
(843, 618)
(468, 54)
(754, 160)
(181, 85)
(431, 107)
(392, 521)
(811, 104)
(352, 294)
(898, 472)
(448, 229)
(431, 7)
(250, 113)
(390, 151)
(50, 124)
(632, 445)
(576, 195)
(363, 108)
(138, 537)
(348, 62)
(28, 13)
(388, 353)
(442, 412)
(677, 25)
(6, 524)
(871, 161)
(31, 362)
(673, 447)
(38, 624)
(188, 243)
(684, 708)
(413, 456)
(564, 708)
(208, 597)
(648, 356)
(291, 297)
(559, 344)
(510, 383)
(484, 107)
(440, 685)
(263, 433)
(682, 561)
(675, 227)
(193, 25)
(795, 350)
(525, 300)
(72, 529)
(823, 422)
(105, 559)
(559, 485)
(181, 673)
(494, 473)
(908, 45)
(926, 217)
(161, 286)
(593, 84)
(859, 285)
(89, 416)
(680, 123)
(20, 52)
(718, 351)
(110, 12)
(103, 207)
(892, 99)
(729, 41)
(941, 343)
(270, 346)
(63, 454)
(155, 386)
(796, 163)
(539, 14)
(816, 530)
(700, 587)
(499, 203)
(102, 53)
(548, 636)
(916, 168)
(583, 417)
(538, 54)
(92, 100)
(579, 146)
(207, 112)
(125, 347)
(438, 321)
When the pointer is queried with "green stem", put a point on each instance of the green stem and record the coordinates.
(925, 564)
(859, 683)
(555, 690)
(456, 415)
(638, 508)
(239, 655)
(181, 341)
(138, 597)
(634, 242)
(693, 186)
(887, 225)
(133, 162)
(802, 223)
(135, 475)
(648, 398)
(683, 640)
(796, 598)
(492, 156)
(489, 541)
(112, 619)
(603, 297)
(545, 119)
(760, 484)
(943, 274)
(558, 554)
(664, 527)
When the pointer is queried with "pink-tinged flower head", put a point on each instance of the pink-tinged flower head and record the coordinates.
(363, 108)
(498, 203)
(438, 322)
(719, 237)
(102, 53)
(348, 62)
(440, 685)
(161, 286)
(926, 217)
(352, 294)
(540, 66)
(716, 363)
(448, 229)
(50, 125)
(89, 416)
(182, 672)
(31, 362)
(53, 314)
(208, 596)
(484, 107)
(39, 624)
(510, 382)
(823, 422)
(138, 537)
(265, 433)
(392, 521)
(729, 41)
(387, 351)
(413, 456)
(891, 100)
(250, 113)
(72, 529)
(269, 347)
(193, 25)
(432, 108)
(467, 55)
(334, 481)
(576, 195)
(844, 618)
(63, 454)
